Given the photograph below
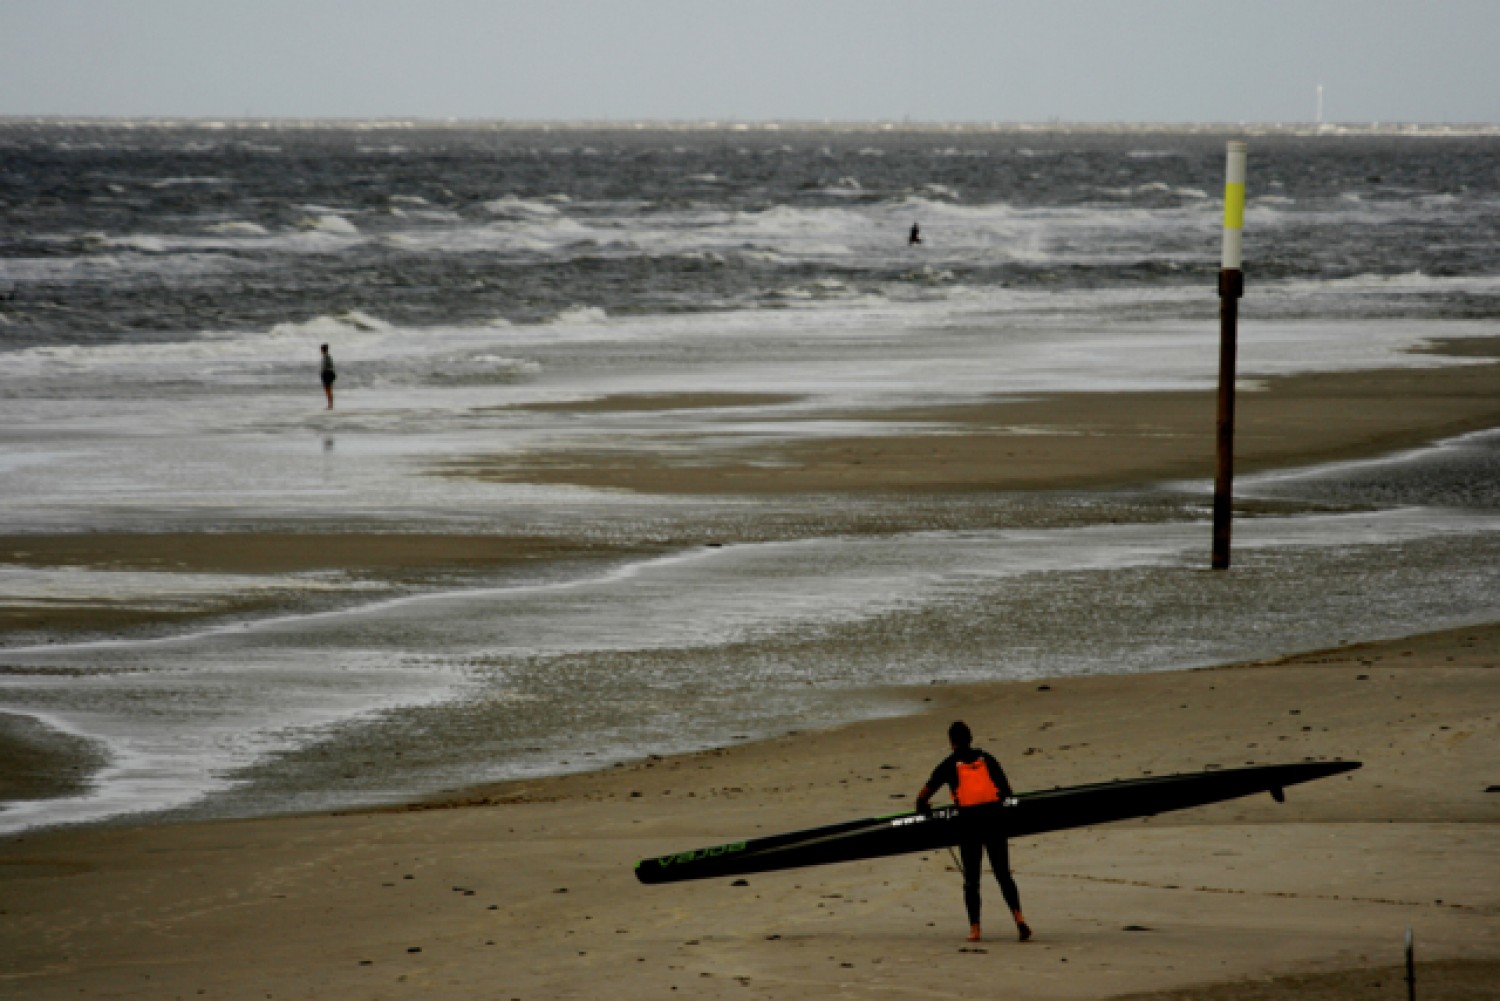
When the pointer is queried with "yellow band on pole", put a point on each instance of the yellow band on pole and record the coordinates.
(1234, 205)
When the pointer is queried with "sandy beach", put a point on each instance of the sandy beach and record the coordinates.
(525, 890)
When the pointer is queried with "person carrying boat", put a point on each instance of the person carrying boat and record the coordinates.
(979, 788)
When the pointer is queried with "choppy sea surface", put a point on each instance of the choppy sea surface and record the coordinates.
(164, 288)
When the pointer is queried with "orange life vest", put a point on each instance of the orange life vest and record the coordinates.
(975, 785)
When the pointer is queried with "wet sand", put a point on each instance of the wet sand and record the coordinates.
(1070, 441)
(1074, 440)
(525, 890)
(359, 554)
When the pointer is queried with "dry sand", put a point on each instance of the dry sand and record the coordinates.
(526, 890)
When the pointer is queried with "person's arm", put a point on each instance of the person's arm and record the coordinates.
(936, 781)
(923, 797)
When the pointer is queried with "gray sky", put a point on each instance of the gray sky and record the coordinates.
(939, 60)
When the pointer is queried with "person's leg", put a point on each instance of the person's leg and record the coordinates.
(999, 850)
(971, 856)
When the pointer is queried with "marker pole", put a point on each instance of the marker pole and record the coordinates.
(1411, 970)
(1231, 287)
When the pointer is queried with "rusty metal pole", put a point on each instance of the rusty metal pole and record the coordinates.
(1231, 288)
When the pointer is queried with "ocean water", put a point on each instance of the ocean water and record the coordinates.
(164, 288)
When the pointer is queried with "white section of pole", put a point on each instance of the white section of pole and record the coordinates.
(1234, 205)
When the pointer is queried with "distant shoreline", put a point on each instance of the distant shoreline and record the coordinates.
(254, 122)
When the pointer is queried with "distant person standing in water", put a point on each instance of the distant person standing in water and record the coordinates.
(328, 376)
(916, 236)
(980, 790)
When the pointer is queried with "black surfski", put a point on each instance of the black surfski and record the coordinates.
(1022, 815)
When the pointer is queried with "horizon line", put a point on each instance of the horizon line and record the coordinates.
(736, 124)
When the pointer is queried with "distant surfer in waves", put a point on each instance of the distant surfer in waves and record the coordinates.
(979, 787)
(328, 375)
(915, 237)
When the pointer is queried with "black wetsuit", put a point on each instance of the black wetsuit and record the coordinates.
(980, 831)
